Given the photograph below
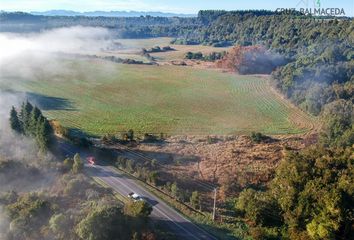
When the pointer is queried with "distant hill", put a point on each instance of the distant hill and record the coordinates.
(110, 14)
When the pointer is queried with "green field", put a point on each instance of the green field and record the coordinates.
(101, 97)
(132, 49)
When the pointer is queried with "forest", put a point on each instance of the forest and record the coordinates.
(46, 195)
(311, 62)
(318, 51)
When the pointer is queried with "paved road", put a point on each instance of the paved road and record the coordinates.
(123, 184)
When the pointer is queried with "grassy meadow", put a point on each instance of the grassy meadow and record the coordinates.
(132, 48)
(101, 97)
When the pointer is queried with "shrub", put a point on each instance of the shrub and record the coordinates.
(138, 209)
(258, 137)
(78, 165)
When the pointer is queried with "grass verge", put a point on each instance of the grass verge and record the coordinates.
(220, 230)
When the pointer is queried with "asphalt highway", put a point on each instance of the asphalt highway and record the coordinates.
(124, 184)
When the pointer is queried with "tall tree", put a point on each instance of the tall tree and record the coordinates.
(43, 133)
(33, 120)
(25, 115)
(14, 121)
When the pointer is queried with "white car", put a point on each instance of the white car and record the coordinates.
(135, 197)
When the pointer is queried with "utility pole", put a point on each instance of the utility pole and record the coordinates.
(214, 208)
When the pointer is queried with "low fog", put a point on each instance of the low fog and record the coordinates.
(22, 57)
(12, 146)
(67, 40)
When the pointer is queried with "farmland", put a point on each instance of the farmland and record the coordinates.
(132, 48)
(100, 97)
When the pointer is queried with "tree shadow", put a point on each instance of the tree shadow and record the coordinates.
(47, 103)
(44, 102)
(152, 202)
(76, 132)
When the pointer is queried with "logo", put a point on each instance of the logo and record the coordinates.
(313, 8)
(319, 3)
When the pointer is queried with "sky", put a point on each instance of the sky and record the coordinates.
(175, 6)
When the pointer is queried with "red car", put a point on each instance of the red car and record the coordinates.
(91, 160)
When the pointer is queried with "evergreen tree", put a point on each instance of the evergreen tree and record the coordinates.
(25, 114)
(21, 115)
(14, 121)
(44, 133)
(33, 120)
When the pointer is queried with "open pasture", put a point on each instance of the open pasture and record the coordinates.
(132, 47)
(101, 97)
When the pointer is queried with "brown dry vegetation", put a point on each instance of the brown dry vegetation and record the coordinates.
(230, 162)
(250, 60)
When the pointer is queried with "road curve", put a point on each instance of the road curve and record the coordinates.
(123, 184)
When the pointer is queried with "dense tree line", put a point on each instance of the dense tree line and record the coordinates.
(338, 126)
(205, 57)
(157, 49)
(72, 208)
(124, 27)
(29, 121)
(311, 197)
(45, 199)
(312, 193)
(319, 52)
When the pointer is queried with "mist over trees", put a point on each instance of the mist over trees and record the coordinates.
(64, 211)
(318, 51)
(311, 195)
(29, 121)
(251, 60)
